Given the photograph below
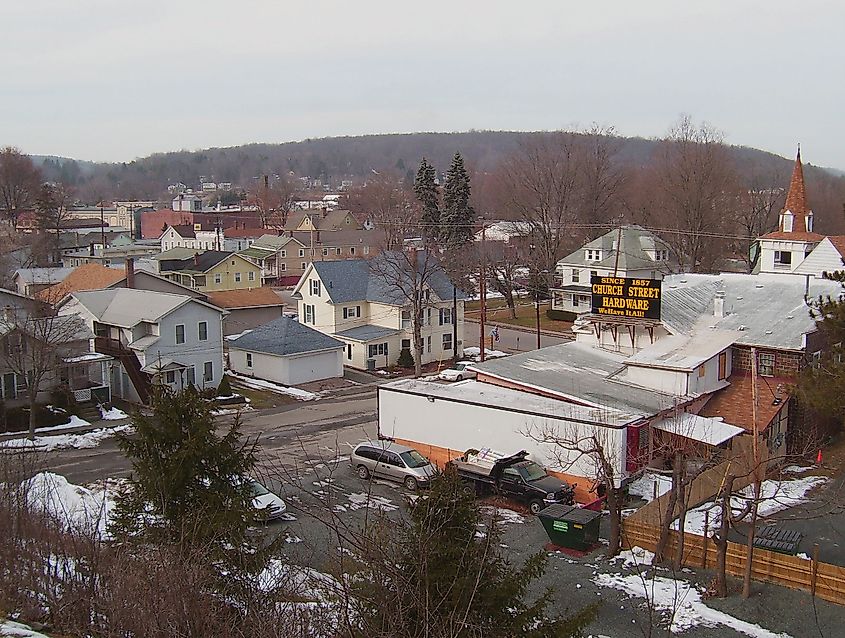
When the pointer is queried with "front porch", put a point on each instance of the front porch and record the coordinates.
(87, 377)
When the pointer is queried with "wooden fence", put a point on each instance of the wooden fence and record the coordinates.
(820, 579)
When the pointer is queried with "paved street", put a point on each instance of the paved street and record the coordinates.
(510, 339)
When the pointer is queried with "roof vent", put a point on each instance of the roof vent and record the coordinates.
(758, 285)
(739, 298)
(790, 317)
(683, 281)
(672, 286)
(768, 332)
(741, 328)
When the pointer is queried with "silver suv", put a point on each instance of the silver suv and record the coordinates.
(385, 459)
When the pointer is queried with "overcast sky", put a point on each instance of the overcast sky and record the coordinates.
(116, 80)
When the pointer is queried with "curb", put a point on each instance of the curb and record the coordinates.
(81, 429)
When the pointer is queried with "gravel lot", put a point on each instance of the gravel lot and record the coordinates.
(315, 487)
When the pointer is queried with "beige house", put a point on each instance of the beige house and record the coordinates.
(208, 271)
(351, 301)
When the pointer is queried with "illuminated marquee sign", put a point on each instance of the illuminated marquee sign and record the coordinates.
(626, 297)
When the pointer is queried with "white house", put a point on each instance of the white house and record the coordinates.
(629, 251)
(155, 337)
(827, 257)
(354, 301)
(193, 237)
(784, 250)
(287, 352)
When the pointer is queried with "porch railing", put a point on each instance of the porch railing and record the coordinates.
(98, 394)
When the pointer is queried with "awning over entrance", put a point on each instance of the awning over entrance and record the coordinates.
(698, 428)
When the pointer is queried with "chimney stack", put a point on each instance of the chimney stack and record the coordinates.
(196, 259)
(130, 272)
(719, 304)
(91, 249)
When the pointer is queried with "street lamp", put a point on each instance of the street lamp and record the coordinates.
(536, 286)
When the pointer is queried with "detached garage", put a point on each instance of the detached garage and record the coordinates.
(287, 352)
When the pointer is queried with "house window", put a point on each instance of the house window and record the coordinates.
(702, 370)
(428, 316)
(283, 267)
(723, 365)
(574, 300)
(314, 287)
(208, 371)
(191, 375)
(783, 258)
(352, 250)
(766, 364)
(180, 334)
(218, 278)
(337, 251)
(237, 277)
(203, 330)
(576, 276)
(325, 252)
(377, 349)
(428, 344)
(366, 250)
(302, 252)
(445, 316)
(248, 359)
(447, 341)
(349, 351)
(283, 254)
(815, 359)
(406, 320)
(594, 273)
(406, 343)
(352, 312)
(303, 265)
(309, 313)
(251, 275)
(170, 376)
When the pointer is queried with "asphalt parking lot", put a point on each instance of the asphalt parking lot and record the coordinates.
(326, 488)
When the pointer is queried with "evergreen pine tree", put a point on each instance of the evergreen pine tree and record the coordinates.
(458, 218)
(435, 576)
(186, 488)
(425, 190)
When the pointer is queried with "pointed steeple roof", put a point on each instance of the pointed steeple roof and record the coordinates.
(796, 198)
(796, 218)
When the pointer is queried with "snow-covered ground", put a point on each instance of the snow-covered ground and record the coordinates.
(474, 352)
(77, 507)
(644, 486)
(260, 384)
(11, 628)
(66, 441)
(113, 414)
(775, 495)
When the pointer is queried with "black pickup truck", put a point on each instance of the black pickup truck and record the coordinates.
(515, 477)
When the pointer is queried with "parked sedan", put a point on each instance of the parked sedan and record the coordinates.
(269, 505)
(459, 372)
(385, 459)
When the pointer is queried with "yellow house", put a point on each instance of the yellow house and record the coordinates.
(210, 271)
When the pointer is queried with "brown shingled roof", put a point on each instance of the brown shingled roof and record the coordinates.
(250, 298)
(733, 403)
(85, 277)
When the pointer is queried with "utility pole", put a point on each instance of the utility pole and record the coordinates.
(455, 320)
(483, 287)
(537, 306)
(749, 555)
(102, 227)
(618, 250)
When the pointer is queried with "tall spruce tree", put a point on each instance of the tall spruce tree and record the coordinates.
(186, 488)
(425, 190)
(458, 218)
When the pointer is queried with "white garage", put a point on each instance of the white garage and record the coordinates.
(285, 351)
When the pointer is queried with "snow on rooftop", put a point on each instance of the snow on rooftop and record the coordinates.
(698, 428)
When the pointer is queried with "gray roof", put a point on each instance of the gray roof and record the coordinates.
(633, 244)
(127, 307)
(367, 333)
(284, 336)
(43, 275)
(198, 262)
(577, 371)
(767, 309)
(377, 280)
(272, 242)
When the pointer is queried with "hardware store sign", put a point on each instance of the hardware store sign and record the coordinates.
(626, 297)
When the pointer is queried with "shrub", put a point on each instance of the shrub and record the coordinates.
(561, 315)
(225, 388)
(406, 359)
(17, 419)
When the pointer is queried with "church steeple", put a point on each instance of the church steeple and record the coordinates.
(796, 198)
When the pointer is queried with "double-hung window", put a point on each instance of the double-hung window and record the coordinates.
(202, 330)
(208, 371)
(180, 334)
(309, 313)
(447, 340)
(445, 316)
(248, 359)
(314, 287)
(766, 364)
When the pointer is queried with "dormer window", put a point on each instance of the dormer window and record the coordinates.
(593, 255)
(809, 219)
(786, 221)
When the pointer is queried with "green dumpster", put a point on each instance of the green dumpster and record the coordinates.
(572, 527)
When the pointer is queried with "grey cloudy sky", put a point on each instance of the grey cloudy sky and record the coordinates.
(118, 79)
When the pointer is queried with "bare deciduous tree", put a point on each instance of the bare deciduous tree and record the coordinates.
(385, 200)
(19, 181)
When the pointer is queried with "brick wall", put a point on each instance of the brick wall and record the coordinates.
(787, 364)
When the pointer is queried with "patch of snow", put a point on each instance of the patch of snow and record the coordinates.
(474, 352)
(66, 441)
(369, 501)
(292, 539)
(775, 496)
(681, 602)
(76, 507)
(644, 486)
(12, 628)
(89, 356)
(261, 384)
(76, 422)
(114, 414)
(239, 334)
(503, 515)
(304, 582)
(796, 469)
(634, 557)
(803, 556)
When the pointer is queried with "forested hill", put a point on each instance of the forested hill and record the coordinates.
(336, 158)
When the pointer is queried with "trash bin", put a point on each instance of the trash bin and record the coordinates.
(572, 527)
(371, 365)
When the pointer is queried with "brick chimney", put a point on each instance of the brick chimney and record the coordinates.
(196, 259)
(130, 272)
